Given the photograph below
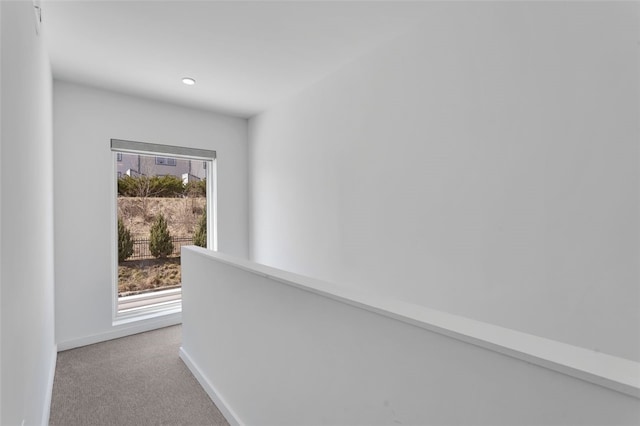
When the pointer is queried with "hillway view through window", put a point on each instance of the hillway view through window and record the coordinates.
(161, 206)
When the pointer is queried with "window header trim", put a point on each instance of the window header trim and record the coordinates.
(155, 149)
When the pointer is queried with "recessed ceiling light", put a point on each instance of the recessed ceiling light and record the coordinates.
(188, 81)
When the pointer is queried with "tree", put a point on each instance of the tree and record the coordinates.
(125, 242)
(160, 243)
(200, 237)
(146, 187)
(138, 186)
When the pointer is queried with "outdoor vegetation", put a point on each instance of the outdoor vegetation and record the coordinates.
(125, 242)
(160, 243)
(157, 215)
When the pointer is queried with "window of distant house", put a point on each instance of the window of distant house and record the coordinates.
(166, 161)
(119, 155)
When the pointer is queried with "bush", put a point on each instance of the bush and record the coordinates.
(200, 237)
(125, 242)
(151, 186)
(196, 188)
(127, 186)
(160, 243)
(166, 186)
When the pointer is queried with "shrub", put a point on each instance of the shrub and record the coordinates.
(166, 186)
(200, 237)
(196, 188)
(125, 242)
(160, 243)
(127, 186)
(150, 186)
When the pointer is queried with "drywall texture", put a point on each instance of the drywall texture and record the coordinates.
(485, 164)
(85, 120)
(27, 275)
(294, 357)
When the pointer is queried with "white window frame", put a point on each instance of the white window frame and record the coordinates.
(142, 148)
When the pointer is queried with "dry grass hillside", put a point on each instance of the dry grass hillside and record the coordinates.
(137, 276)
(182, 214)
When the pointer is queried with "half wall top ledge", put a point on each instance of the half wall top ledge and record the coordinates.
(609, 371)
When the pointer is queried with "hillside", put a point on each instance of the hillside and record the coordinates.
(182, 214)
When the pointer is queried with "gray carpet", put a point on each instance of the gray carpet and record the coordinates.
(136, 380)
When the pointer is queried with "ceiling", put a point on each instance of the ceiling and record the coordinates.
(245, 56)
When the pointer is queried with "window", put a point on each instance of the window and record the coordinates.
(204, 165)
(166, 161)
(147, 274)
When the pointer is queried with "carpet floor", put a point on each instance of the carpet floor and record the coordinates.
(135, 380)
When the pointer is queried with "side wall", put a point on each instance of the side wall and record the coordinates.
(274, 349)
(486, 164)
(27, 274)
(85, 119)
(1, 400)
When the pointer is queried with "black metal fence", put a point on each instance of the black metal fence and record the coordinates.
(141, 247)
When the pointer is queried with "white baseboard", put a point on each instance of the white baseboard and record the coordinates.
(123, 330)
(47, 398)
(215, 396)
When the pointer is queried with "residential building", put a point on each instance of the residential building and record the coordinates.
(149, 165)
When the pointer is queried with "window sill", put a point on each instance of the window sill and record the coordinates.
(148, 306)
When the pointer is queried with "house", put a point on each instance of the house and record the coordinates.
(479, 159)
(147, 165)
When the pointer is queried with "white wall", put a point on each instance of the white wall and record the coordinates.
(1, 217)
(284, 351)
(486, 164)
(1, 400)
(27, 274)
(85, 119)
